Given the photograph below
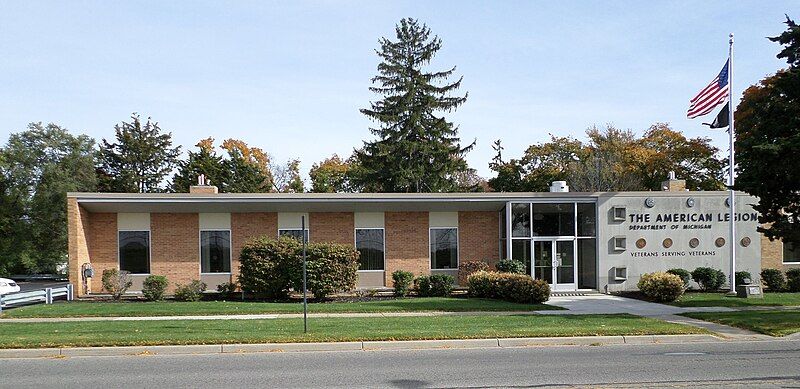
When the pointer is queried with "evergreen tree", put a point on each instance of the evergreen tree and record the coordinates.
(768, 141)
(139, 160)
(205, 161)
(246, 169)
(416, 150)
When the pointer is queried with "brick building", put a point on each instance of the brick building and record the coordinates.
(600, 241)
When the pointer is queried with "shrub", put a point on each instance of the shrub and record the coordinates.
(154, 286)
(661, 286)
(773, 279)
(510, 266)
(684, 274)
(272, 267)
(116, 282)
(437, 285)
(402, 280)
(422, 284)
(226, 288)
(468, 267)
(519, 288)
(192, 291)
(793, 280)
(741, 275)
(708, 278)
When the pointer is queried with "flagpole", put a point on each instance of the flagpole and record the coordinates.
(731, 179)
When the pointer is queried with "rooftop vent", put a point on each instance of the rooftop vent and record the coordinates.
(559, 186)
(203, 186)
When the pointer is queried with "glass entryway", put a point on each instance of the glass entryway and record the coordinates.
(554, 262)
(555, 240)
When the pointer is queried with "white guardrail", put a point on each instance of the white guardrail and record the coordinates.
(46, 296)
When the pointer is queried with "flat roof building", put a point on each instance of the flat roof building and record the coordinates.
(600, 241)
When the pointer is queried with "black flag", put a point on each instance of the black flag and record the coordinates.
(721, 121)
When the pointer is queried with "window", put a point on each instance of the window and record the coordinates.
(619, 214)
(554, 219)
(620, 243)
(521, 220)
(215, 251)
(369, 243)
(296, 233)
(444, 248)
(791, 254)
(587, 219)
(134, 251)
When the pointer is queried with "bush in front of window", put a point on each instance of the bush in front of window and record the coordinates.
(709, 279)
(271, 268)
(437, 285)
(773, 279)
(226, 288)
(684, 274)
(153, 287)
(401, 281)
(116, 282)
(661, 286)
(192, 291)
(793, 280)
(518, 288)
(510, 266)
(468, 267)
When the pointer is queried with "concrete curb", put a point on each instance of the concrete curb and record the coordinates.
(353, 346)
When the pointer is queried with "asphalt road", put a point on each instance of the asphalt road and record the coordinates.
(753, 364)
(37, 285)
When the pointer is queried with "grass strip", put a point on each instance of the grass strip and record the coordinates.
(723, 300)
(130, 333)
(174, 308)
(773, 323)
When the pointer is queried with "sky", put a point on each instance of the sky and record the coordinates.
(290, 77)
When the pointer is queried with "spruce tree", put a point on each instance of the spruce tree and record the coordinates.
(417, 149)
(205, 161)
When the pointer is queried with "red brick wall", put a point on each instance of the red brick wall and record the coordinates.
(78, 222)
(479, 236)
(407, 246)
(246, 226)
(335, 227)
(175, 247)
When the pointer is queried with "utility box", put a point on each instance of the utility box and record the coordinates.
(749, 291)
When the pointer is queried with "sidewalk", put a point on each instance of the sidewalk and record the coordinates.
(353, 346)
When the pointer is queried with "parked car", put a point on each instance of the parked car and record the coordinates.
(8, 286)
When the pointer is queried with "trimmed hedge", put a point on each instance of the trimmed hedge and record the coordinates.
(272, 267)
(773, 279)
(153, 287)
(401, 281)
(510, 266)
(793, 280)
(684, 274)
(468, 267)
(709, 279)
(661, 286)
(518, 288)
(437, 285)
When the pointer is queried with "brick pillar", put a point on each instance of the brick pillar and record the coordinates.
(246, 226)
(175, 247)
(78, 243)
(103, 248)
(334, 227)
(407, 246)
(479, 236)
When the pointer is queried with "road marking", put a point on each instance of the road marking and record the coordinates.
(687, 353)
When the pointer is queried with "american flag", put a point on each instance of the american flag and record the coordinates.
(714, 94)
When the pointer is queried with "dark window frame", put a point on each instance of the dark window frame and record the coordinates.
(383, 247)
(120, 251)
(230, 252)
(431, 248)
(307, 233)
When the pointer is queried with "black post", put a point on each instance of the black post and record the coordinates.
(305, 297)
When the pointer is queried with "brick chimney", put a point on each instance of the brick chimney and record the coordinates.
(203, 186)
(673, 185)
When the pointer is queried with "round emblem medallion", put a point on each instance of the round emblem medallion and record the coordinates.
(728, 202)
(640, 243)
(649, 202)
(746, 241)
(667, 243)
(694, 242)
(690, 202)
(720, 242)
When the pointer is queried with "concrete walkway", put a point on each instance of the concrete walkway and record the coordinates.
(607, 304)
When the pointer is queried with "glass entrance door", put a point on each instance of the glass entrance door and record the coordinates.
(554, 261)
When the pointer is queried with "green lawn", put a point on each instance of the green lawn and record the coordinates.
(170, 308)
(722, 300)
(128, 333)
(774, 323)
